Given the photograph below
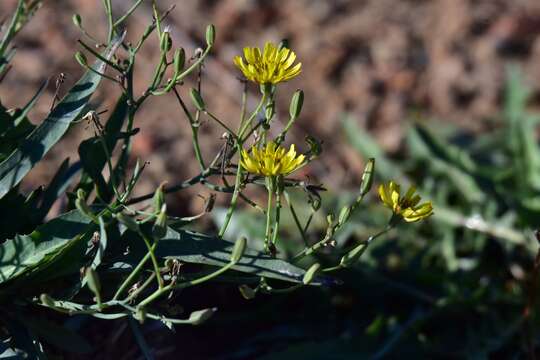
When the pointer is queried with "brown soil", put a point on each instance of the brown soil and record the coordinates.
(376, 59)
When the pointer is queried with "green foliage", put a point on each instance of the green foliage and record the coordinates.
(105, 255)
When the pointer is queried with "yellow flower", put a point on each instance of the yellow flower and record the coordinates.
(407, 206)
(274, 65)
(271, 160)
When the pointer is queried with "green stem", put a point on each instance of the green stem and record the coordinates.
(244, 126)
(155, 264)
(141, 288)
(194, 123)
(222, 124)
(128, 13)
(297, 221)
(234, 199)
(160, 292)
(129, 280)
(12, 29)
(270, 189)
(277, 214)
(108, 10)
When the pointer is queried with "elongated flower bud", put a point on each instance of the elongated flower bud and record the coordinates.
(367, 177)
(47, 300)
(77, 20)
(238, 250)
(247, 292)
(160, 226)
(352, 256)
(210, 34)
(81, 59)
(92, 280)
(166, 41)
(200, 316)
(344, 215)
(296, 104)
(179, 60)
(197, 99)
(310, 273)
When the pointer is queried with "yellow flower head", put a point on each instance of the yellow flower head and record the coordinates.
(271, 160)
(274, 65)
(407, 206)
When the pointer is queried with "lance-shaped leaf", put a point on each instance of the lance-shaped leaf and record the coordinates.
(43, 137)
(192, 247)
(27, 252)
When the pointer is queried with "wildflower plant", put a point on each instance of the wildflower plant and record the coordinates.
(110, 254)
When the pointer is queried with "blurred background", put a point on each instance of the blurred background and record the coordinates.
(443, 93)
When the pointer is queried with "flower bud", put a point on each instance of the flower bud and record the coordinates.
(330, 218)
(160, 226)
(81, 194)
(128, 221)
(77, 20)
(247, 292)
(179, 60)
(200, 316)
(92, 280)
(81, 59)
(344, 215)
(166, 42)
(197, 100)
(367, 177)
(238, 250)
(210, 34)
(47, 300)
(81, 205)
(159, 198)
(352, 256)
(310, 273)
(315, 146)
(140, 314)
(296, 104)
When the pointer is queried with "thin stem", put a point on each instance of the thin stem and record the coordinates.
(297, 220)
(160, 292)
(221, 123)
(101, 57)
(244, 127)
(243, 105)
(194, 123)
(155, 264)
(268, 215)
(108, 10)
(128, 13)
(129, 280)
(12, 29)
(277, 214)
(234, 199)
(141, 288)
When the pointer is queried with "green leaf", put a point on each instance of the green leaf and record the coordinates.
(446, 151)
(41, 140)
(192, 247)
(27, 252)
(368, 148)
(463, 182)
(58, 186)
(92, 152)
